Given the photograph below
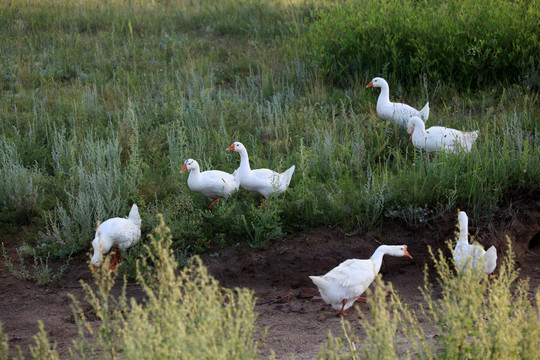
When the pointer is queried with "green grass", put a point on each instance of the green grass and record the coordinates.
(470, 43)
(102, 102)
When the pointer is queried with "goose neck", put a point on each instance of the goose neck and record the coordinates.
(194, 173)
(384, 96)
(244, 161)
(378, 256)
(463, 233)
(419, 129)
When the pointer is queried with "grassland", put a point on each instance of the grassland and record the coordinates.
(103, 101)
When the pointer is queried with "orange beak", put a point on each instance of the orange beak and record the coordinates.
(184, 168)
(231, 148)
(407, 253)
(410, 135)
(370, 84)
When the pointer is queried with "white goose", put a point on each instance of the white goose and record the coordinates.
(396, 112)
(116, 232)
(262, 181)
(214, 184)
(472, 256)
(344, 284)
(439, 138)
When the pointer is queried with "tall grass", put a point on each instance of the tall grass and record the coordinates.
(96, 191)
(103, 101)
(19, 189)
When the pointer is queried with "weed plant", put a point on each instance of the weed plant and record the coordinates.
(20, 195)
(42, 273)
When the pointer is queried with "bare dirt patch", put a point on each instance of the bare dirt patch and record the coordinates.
(287, 301)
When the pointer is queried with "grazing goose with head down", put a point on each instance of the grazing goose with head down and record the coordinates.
(344, 284)
(116, 232)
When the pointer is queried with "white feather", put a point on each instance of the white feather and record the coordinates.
(262, 181)
(474, 256)
(352, 277)
(439, 138)
(211, 183)
(119, 232)
(396, 112)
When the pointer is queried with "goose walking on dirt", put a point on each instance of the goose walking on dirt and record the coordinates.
(396, 112)
(214, 184)
(474, 256)
(344, 284)
(116, 232)
(438, 138)
(263, 181)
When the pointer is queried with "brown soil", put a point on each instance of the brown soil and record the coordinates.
(288, 305)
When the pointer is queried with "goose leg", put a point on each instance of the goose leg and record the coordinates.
(214, 203)
(114, 263)
(341, 312)
(361, 299)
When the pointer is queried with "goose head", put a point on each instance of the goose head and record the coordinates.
(236, 146)
(463, 218)
(189, 164)
(97, 258)
(412, 124)
(401, 251)
(377, 82)
(394, 250)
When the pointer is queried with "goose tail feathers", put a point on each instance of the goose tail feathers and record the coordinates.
(424, 113)
(319, 281)
(491, 259)
(134, 215)
(288, 174)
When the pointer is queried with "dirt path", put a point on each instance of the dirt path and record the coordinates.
(297, 320)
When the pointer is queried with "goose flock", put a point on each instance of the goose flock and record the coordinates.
(343, 285)
(436, 138)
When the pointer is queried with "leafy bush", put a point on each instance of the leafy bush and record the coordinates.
(19, 191)
(483, 317)
(184, 219)
(98, 185)
(464, 41)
